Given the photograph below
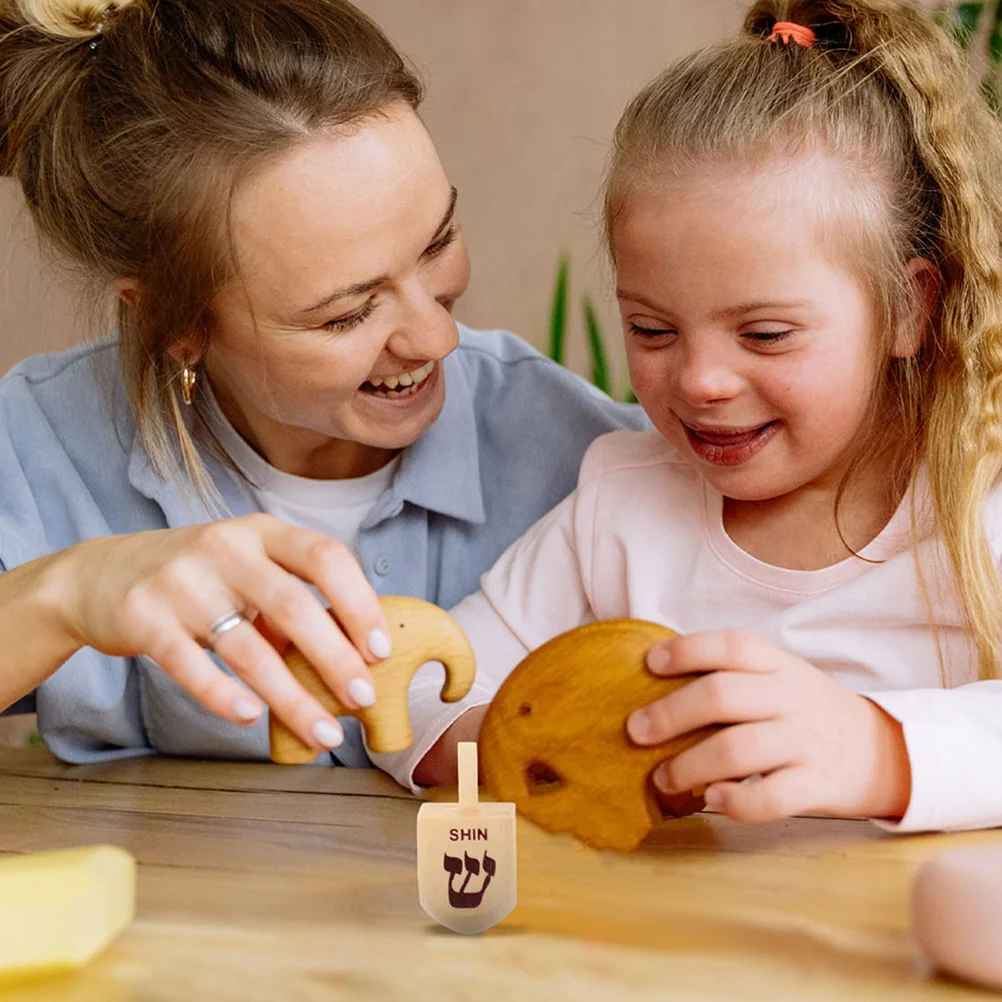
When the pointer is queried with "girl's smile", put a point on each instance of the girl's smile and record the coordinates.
(724, 446)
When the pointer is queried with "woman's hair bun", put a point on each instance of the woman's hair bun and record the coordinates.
(68, 18)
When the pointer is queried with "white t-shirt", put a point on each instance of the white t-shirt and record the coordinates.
(643, 537)
(335, 508)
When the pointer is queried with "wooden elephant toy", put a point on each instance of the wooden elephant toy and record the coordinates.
(554, 738)
(419, 632)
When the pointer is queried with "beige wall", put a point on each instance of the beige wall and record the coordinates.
(523, 97)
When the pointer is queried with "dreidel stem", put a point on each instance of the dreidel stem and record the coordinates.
(468, 775)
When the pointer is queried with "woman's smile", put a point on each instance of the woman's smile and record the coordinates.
(401, 386)
(401, 395)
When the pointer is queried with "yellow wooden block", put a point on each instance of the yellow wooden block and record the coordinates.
(59, 909)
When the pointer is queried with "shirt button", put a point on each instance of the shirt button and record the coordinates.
(382, 565)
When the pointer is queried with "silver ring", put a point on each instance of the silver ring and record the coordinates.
(228, 621)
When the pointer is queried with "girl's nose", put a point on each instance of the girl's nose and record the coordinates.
(705, 377)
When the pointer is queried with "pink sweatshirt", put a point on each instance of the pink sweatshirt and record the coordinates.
(643, 537)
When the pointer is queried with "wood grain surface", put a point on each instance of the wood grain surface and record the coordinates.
(264, 882)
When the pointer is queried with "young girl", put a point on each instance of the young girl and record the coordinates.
(806, 224)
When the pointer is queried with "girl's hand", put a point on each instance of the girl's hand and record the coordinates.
(158, 593)
(808, 743)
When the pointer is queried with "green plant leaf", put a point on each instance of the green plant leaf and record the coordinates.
(34, 740)
(992, 92)
(960, 20)
(631, 397)
(967, 18)
(596, 345)
(995, 38)
(558, 311)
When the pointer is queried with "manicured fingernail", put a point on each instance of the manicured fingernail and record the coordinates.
(659, 659)
(246, 709)
(379, 644)
(362, 692)
(639, 725)
(713, 798)
(328, 734)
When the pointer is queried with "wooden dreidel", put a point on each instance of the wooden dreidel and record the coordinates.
(466, 856)
(419, 632)
(554, 740)
(60, 909)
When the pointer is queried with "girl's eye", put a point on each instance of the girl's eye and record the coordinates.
(649, 333)
(768, 337)
(342, 324)
(439, 245)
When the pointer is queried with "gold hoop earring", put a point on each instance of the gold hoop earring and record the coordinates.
(189, 379)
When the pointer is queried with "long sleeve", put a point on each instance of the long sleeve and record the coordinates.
(954, 742)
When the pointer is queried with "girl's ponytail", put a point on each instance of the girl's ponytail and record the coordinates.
(958, 142)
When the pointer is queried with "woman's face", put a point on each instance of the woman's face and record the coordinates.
(326, 351)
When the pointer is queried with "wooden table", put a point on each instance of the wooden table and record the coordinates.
(259, 882)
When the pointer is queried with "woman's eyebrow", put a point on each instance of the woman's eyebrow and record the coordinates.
(449, 213)
(360, 288)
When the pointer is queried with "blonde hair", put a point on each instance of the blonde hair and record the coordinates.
(885, 94)
(129, 125)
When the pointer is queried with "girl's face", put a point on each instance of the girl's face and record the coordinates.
(752, 352)
(326, 353)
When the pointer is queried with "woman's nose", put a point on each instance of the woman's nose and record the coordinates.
(426, 328)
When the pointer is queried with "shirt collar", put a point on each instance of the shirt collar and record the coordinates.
(182, 507)
(439, 472)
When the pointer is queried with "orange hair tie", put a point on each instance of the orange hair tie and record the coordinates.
(787, 31)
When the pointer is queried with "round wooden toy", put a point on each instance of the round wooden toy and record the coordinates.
(554, 740)
(957, 912)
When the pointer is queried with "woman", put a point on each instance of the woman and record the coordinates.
(287, 392)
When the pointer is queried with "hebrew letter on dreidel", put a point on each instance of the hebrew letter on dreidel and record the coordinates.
(466, 856)
(462, 898)
(419, 632)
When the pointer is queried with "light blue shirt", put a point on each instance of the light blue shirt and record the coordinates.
(505, 449)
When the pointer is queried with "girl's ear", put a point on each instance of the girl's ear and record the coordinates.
(915, 328)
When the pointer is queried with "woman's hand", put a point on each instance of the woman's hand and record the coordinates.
(158, 593)
(808, 743)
